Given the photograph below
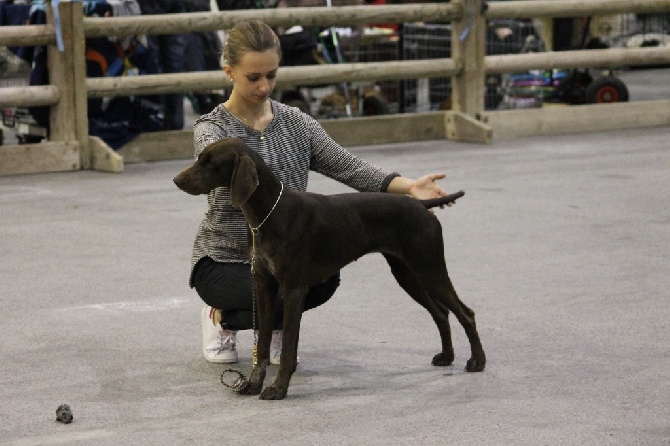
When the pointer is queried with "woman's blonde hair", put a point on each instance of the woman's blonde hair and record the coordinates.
(253, 36)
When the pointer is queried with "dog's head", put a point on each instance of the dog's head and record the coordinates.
(225, 163)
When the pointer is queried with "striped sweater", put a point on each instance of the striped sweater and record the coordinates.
(292, 145)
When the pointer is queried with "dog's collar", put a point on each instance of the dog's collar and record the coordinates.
(255, 230)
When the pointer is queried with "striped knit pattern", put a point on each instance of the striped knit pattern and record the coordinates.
(293, 144)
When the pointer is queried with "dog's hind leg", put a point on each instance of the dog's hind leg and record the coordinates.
(294, 302)
(440, 314)
(439, 287)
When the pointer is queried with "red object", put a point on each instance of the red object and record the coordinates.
(393, 26)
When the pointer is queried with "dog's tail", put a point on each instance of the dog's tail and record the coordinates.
(432, 202)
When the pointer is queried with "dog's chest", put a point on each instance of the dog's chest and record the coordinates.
(270, 264)
(267, 257)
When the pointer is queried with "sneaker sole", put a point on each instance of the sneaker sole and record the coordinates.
(221, 360)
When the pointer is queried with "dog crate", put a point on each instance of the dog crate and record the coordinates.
(433, 41)
(373, 44)
(420, 42)
(630, 30)
(346, 45)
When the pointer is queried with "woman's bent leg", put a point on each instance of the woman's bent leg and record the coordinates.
(227, 287)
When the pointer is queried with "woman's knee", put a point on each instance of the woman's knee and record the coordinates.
(225, 286)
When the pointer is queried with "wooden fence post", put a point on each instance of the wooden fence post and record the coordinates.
(94, 153)
(61, 67)
(465, 121)
(79, 93)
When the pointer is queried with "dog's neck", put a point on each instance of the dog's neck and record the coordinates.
(264, 199)
(255, 229)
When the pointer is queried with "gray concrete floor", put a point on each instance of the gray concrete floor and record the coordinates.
(561, 245)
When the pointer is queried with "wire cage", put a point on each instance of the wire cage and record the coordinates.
(631, 30)
(345, 45)
(433, 41)
(419, 42)
(373, 44)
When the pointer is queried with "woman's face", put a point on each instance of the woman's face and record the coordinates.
(255, 76)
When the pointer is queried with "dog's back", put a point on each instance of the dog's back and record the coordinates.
(328, 232)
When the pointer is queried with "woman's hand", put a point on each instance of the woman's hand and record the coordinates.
(426, 187)
(422, 188)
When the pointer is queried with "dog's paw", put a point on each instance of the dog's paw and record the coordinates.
(250, 388)
(475, 364)
(443, 359)
(255, 383)
(253, 386)
(273, 393)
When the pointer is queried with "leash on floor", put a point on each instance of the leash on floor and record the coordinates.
(239, 384)
(242, 382)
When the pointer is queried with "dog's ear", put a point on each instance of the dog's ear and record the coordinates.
(244, 182)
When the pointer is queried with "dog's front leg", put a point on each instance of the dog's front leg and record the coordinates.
(265, 294)
(294, 302)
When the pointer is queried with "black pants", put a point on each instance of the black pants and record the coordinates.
(229, 288)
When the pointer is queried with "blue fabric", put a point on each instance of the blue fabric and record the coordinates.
(124, 117)
(14, 15)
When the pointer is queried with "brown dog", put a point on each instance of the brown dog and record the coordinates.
(300, 239)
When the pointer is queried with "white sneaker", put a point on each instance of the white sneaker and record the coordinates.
(218, 345)
(275, 347)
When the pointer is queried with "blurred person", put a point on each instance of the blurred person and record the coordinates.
(170, 50)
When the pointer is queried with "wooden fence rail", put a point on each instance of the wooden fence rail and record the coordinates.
(287, 76)
(610, 58)
(549, 8)
(69, 146)
(36, 96)
(370, 71)
(27, 35)
(320, 16)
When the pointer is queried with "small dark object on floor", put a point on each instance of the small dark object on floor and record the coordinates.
(240, 384)
(64, 414)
